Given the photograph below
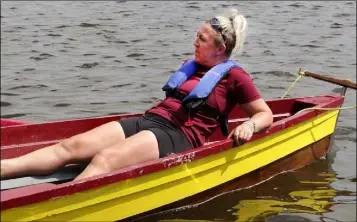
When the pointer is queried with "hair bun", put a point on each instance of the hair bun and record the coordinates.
(233, 13)
(234, 27)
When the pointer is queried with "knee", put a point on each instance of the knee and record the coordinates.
(106, 160)
(73, 145)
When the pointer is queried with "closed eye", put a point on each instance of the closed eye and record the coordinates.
(200, 37)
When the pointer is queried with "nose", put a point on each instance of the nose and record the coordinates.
(195, 43)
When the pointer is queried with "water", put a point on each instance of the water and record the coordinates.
(76, 59)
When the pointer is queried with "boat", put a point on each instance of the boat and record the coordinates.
(301, 133)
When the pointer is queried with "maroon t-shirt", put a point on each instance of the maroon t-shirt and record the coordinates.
(236, 87)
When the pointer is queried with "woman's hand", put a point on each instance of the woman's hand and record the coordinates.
(243, 132)
(261, 117)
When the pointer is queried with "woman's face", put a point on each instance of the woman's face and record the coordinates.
(206, 50)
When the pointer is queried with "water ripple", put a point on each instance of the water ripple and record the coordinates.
(88, 65)
(336, 26)
(38, 86)
(3, 104)
(310, 46)
(121, 85)
(86, 25)
(279, 73)
(135, 55)
(62, 105)
(9, 94)
(15, 115)
(42, 56)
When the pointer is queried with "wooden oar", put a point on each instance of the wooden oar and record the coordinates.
(342, 82)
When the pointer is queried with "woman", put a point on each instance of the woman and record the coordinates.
(174, 125)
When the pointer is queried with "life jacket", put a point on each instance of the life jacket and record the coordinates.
(198, 96)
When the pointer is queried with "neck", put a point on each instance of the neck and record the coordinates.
(217, 60)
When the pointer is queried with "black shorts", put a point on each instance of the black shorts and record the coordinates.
(169, 138)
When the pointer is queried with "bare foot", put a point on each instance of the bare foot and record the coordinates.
(5, 169)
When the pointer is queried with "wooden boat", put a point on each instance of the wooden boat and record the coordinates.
(300, 134)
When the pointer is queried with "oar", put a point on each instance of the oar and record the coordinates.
(342, 82)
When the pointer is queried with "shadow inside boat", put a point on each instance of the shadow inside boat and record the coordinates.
(62, 175)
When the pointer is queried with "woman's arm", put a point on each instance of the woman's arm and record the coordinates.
(261, 117)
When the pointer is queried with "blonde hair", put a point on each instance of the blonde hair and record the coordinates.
(234, 28)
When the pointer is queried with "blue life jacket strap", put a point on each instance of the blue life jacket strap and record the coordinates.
(181, 75)
(211, 79)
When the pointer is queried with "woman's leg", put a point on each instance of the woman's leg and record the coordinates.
(77, 148)
(136, 149)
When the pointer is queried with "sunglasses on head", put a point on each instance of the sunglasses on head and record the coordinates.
(214, 22)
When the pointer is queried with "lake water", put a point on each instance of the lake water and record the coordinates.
(75, 59)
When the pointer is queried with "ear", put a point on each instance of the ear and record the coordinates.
(221, 49)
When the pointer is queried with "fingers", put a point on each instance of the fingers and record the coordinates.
(231, 134)
(241, 134)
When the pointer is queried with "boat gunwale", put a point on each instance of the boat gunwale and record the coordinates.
(69, 188)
